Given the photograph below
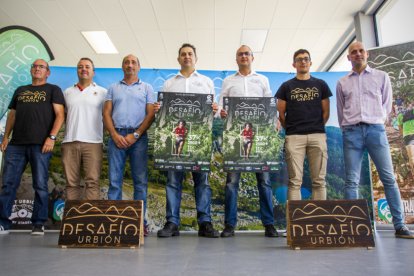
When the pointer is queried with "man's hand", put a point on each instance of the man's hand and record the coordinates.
(4, 144)
(130, 139)
(157, 107)
(120, 141)
(278, 126)
(223, 113)
(48, 145)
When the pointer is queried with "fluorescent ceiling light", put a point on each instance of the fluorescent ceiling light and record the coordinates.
(100, 42)
(255, 39)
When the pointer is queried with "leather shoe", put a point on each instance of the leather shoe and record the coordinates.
(270, 231)
(207, 230)
(170, 229)
(228, 231)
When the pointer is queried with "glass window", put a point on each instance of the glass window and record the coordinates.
(395, 22)
(342, 64)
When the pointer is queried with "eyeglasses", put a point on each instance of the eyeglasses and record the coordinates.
(247, 54)
(40, 66)
(299, 60)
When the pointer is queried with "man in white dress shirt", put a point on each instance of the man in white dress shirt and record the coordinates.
(246, 83)
(188, 80)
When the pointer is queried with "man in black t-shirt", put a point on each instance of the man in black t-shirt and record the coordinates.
(303, 106)
(36, 113)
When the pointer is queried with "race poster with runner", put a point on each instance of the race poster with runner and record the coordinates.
(251, 142)
(183, 138)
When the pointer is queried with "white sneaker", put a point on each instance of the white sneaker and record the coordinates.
(3, 231)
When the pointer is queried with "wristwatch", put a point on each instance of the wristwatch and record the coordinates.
(136, 135)
(52, 137)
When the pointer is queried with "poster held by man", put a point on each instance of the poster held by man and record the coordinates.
(251, 142)
(183, 132)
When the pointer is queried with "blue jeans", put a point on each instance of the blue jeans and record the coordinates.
(138, 158)
(202, 196)
(265, 198)
(15, 161)
(372, 137)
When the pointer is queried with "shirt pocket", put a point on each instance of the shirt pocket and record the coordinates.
(372, 89)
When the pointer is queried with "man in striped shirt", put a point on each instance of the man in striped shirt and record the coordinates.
(364, 100)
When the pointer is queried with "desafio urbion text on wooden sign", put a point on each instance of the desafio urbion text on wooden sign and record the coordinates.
(102, 223)
(328, 223)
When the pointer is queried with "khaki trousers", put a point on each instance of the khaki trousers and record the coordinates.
(76, 155)
(314, 146)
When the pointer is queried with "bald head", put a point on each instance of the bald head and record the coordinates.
(355, 44)
(244, 59)
(358, 56)
(39, 72)
(129, 57)
(131, 67)
(244, 48)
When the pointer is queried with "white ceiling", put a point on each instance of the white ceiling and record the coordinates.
(155, 29)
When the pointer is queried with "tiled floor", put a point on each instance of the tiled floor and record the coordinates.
(245, 254)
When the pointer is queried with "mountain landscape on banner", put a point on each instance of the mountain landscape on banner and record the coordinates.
(248, 203)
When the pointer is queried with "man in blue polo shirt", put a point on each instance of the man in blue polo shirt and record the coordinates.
(128, 113)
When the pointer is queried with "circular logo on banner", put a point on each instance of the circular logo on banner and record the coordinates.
(384, 210)
(58, 209)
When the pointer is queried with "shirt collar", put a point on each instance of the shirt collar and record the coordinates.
(179, 75)
(137, 82)
(77, 85)
(367, 69)
(252, 73)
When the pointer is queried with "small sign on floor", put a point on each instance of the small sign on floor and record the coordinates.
(328, 223)
(102, 223)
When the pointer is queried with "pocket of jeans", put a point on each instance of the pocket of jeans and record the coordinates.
(347, 128)
(378, 127)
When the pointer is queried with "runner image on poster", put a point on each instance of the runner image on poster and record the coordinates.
(247, 135)
(183, 139)
(180, 133)
(251, 142)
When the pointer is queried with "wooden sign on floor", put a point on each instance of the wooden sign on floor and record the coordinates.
(102, 223)
(328, 223)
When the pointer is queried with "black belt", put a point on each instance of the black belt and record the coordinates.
(361, 124)
(125, 129)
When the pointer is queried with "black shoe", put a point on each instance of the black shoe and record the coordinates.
(207, 230)
(404, 233)
(270, 231)
(170, 229)
(228, 231)
(38, 230)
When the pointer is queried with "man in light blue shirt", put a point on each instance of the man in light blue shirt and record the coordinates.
(128, 113)
(364, 99)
